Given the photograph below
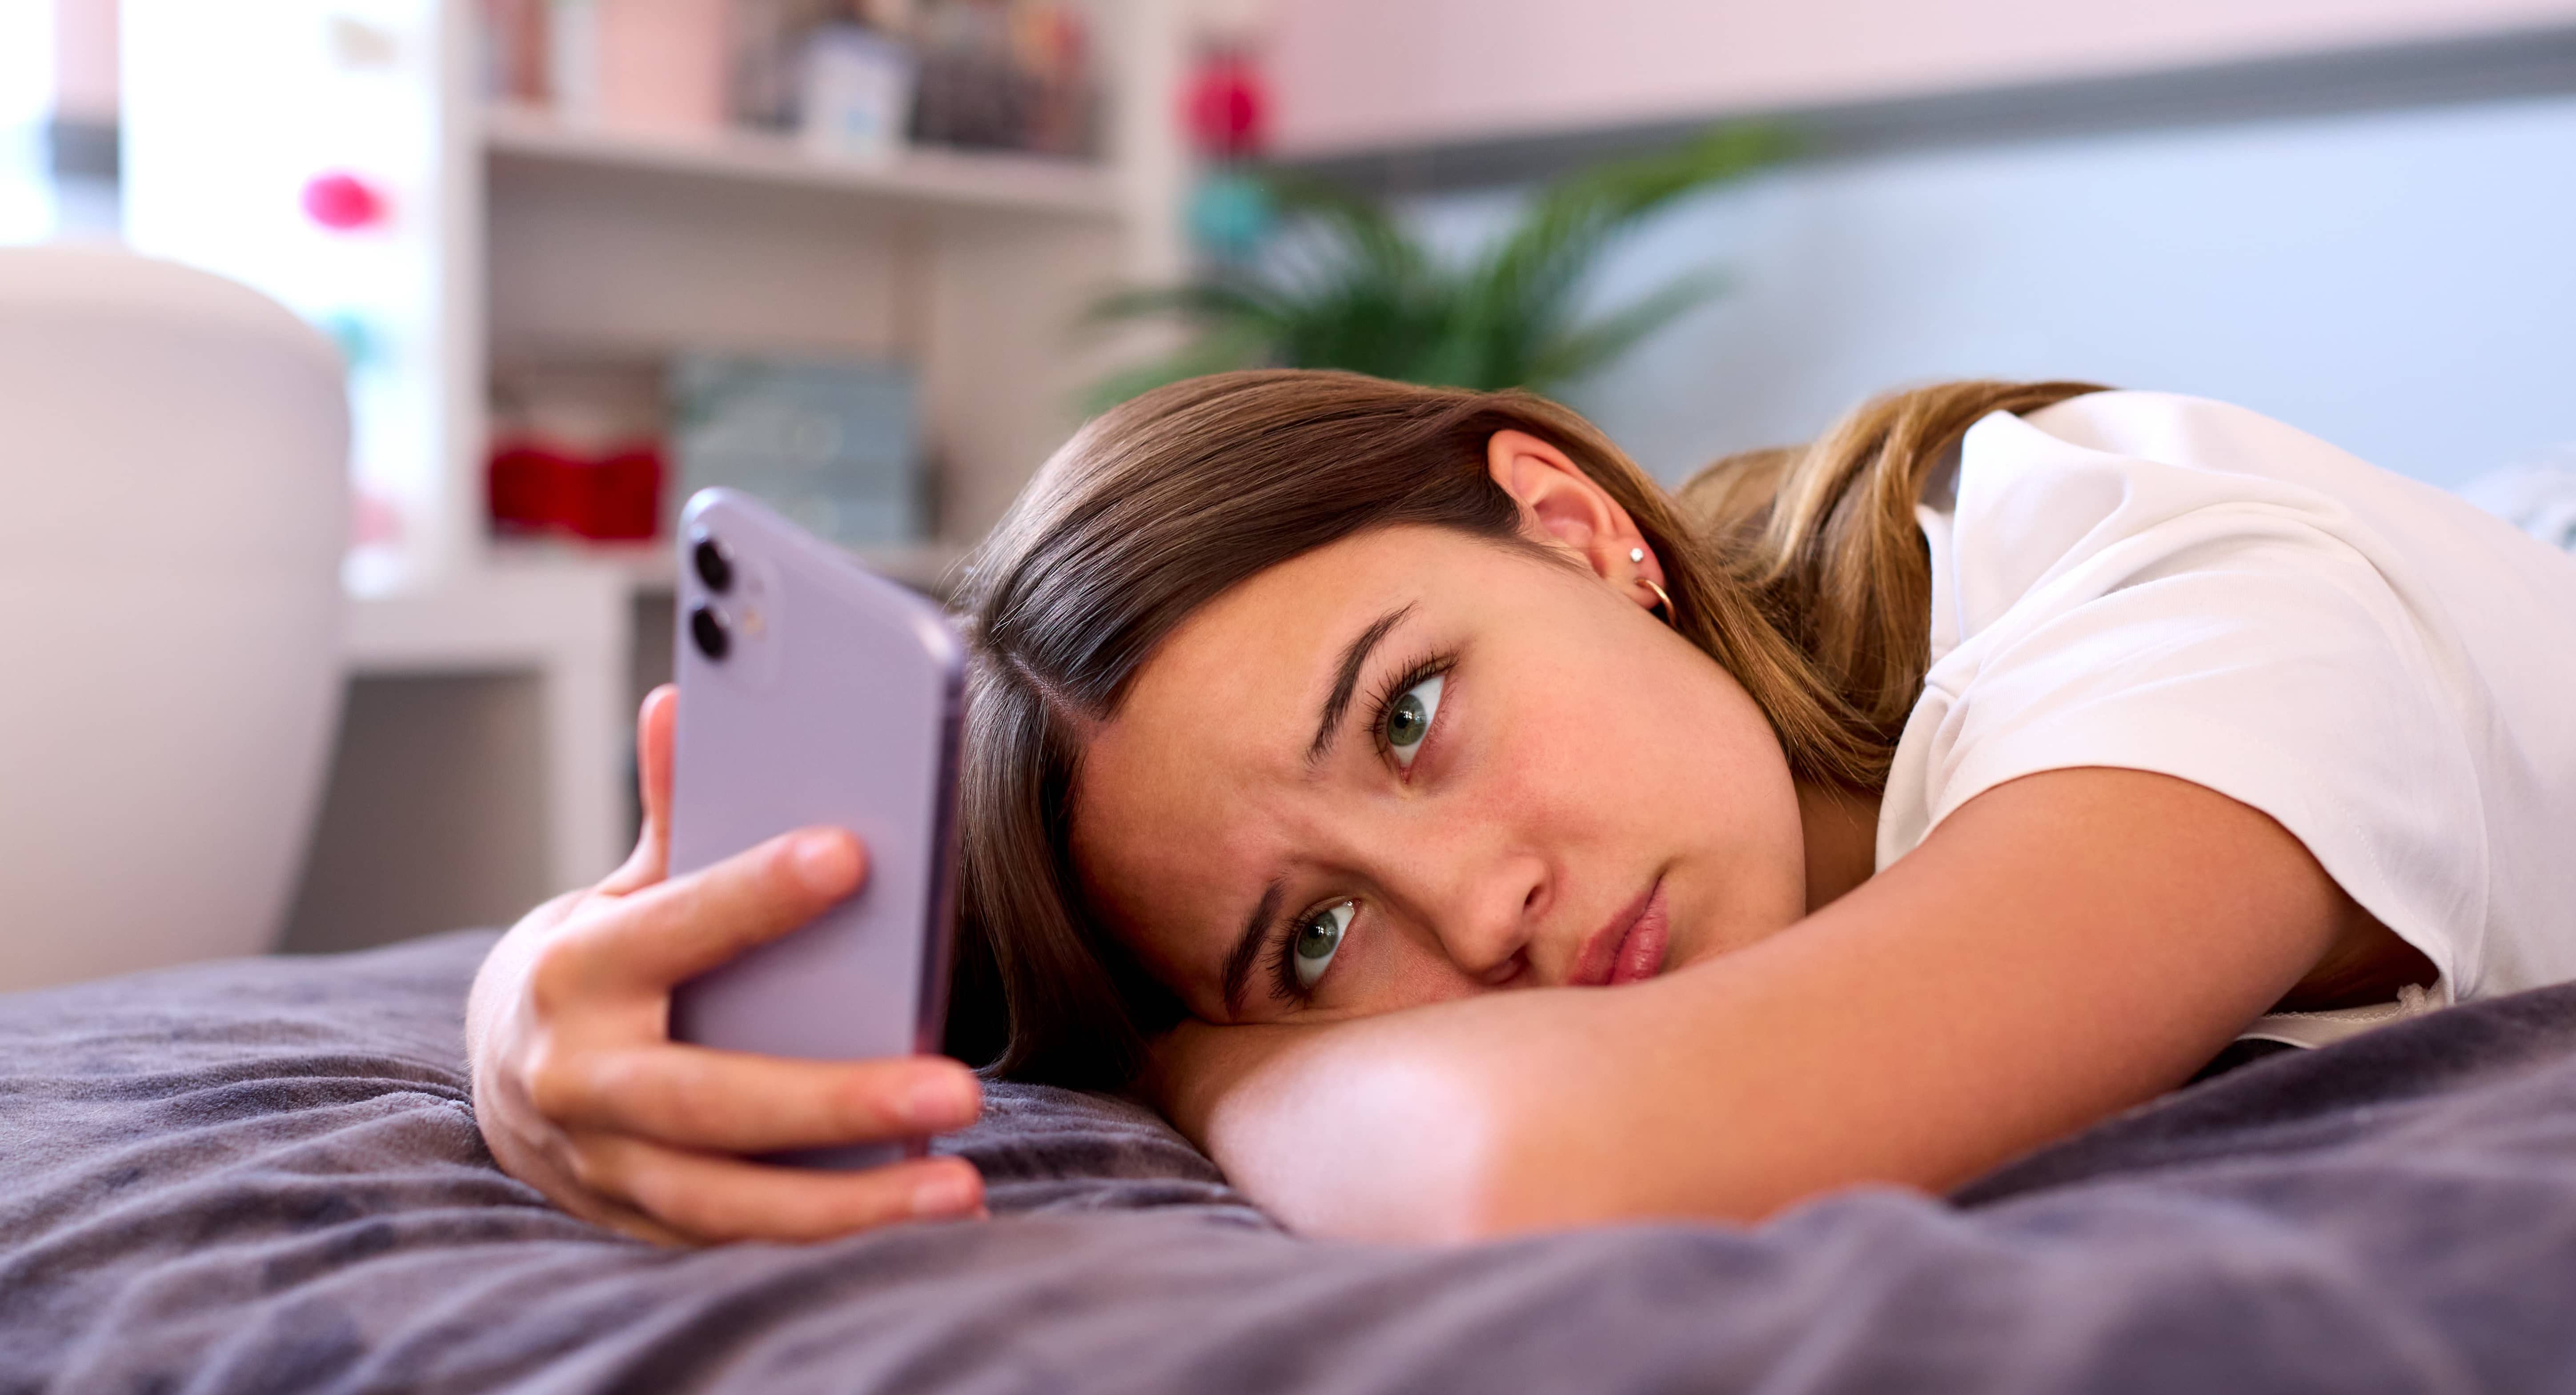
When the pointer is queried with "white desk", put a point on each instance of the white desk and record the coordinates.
(484, 758)
(570, 626)
(482, 761)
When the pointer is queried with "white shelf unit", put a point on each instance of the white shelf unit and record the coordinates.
(611, 247)
(563, 243)
(925, 178)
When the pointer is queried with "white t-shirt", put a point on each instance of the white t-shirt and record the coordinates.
(2163, 583)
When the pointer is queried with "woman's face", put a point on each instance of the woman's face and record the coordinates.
(1415, 765)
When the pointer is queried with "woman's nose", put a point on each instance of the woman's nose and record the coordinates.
(1484, 920)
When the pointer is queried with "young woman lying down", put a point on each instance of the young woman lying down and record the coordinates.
(1455, 833)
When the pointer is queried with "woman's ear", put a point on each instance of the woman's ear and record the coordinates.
(1563, 508)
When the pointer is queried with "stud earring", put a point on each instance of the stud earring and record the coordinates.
(1636, 554)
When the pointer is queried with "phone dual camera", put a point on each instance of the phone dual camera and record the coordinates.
(714, 566)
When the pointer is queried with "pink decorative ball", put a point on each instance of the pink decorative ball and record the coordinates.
(342, 202)
(1228, 106)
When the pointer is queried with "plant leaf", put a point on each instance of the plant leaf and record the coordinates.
(1216, 351)
(1526, 282)
(1203, 299)
(1585, 349)
(1347, 287)
(1370, 239)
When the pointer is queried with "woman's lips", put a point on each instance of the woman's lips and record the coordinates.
(1628, 949)
(1641, 954)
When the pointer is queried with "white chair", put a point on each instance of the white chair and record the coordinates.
(173, 510)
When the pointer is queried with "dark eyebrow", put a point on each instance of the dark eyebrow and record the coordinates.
(1347, 678)
(1337, 704)
(1247, 947)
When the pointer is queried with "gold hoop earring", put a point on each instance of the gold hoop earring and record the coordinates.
(1663, 600)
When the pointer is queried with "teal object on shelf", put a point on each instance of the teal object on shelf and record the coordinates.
(833, 444)
(1230, 215)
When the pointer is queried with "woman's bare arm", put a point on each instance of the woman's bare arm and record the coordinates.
(2061, 947)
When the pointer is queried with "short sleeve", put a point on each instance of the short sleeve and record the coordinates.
(2141, 615)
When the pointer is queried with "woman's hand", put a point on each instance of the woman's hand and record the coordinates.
(581, 1093)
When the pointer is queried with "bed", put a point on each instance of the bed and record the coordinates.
(263, 1176)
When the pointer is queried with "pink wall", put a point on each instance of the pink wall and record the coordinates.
(85, 59)
(1357, 74)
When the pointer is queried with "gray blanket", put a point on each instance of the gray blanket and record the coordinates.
(264, 1177)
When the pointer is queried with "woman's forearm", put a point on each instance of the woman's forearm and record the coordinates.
(1504, 1113)
(1361, 1129)
(2066, 945)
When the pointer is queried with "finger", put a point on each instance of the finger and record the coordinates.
(649, 863)
(731, 1102)
(717, 1199)
(681, 928)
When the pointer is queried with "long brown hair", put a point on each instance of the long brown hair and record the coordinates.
(1800, 571)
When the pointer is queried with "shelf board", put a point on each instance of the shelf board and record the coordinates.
(933, 180)
(652, 568)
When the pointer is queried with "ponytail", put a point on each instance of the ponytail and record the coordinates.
(1824, 537)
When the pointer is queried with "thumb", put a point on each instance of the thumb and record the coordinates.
(650, 862)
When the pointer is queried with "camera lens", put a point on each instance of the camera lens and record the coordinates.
(708, 629)
(714, 568)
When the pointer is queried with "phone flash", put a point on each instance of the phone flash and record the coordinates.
(752, 624)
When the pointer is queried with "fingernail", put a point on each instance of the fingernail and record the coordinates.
(942, 1101)
(824, 861)
(946, 1193)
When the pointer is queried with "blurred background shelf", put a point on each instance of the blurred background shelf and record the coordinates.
(933, 181)
(488, 244)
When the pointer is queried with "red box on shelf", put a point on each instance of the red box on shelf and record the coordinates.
(613, 497)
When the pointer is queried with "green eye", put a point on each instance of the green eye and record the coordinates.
(1311, 948)
(1408, 719)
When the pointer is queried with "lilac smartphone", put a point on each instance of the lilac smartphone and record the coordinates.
(813, 692)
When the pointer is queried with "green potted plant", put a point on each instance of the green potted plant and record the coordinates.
(1348, 287)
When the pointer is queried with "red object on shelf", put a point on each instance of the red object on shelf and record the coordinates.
(1228, 105)
(342, 202)
(614, 497)
(526, 484)
(624, 496)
